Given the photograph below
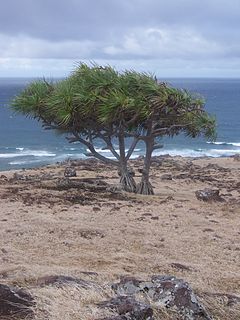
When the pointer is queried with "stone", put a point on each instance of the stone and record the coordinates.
(166, 177)
(15, 302)
(115, 318)
(70, 172)
(128, 307)
(180, 266)
(209, 195)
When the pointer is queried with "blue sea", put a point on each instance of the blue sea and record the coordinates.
(25, 144)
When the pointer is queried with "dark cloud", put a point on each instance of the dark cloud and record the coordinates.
(97, 19)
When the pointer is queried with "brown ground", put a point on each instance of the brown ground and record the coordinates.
(48, 229)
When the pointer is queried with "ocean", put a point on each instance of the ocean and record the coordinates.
(25, 144)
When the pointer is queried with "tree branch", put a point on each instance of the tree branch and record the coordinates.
(135, 135)
(109, 145)
(94, 152)
(72, 139)
(168, 129)
(132, 147)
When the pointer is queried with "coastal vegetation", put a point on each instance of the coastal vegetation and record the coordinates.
(99, 103)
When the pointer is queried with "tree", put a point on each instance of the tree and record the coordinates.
(100, 103)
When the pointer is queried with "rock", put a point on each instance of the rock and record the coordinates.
(70, 172)
(132, 299)
(236, 157)
(180, 266)
(166, 177)
(90, 234)
(115, 318)
(209, 195)
(128, 307)
(95, 209)
(127, 285)
(92, 185)
(215, 166)
(182, 176)
(177, 294)
(18, 176)
(59, 280)
(116, 188)
(15, 302)
(164, 292)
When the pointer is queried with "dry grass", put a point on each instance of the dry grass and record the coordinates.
(69, 302)
(169, 233)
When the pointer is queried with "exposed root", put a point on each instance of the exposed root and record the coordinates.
(128, 183)
(144, 187)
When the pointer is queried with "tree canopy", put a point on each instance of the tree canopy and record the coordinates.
(97, 102)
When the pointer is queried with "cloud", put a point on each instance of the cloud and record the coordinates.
(149, 43)
(143, 32)
(26, 47)
(164, 43)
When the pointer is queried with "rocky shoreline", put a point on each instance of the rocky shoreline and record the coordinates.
(72, 220)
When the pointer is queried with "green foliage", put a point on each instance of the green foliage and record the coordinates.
(99, 102)
(32, 101)
(96, 99)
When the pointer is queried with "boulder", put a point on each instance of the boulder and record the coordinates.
(209, 195)
(70, 172)
(15, 302)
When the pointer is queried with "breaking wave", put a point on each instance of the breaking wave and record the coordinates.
(199, 152)
(27, 153)
(222, 143)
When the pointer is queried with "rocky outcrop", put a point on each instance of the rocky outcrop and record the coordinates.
(164, 292)
(131, 298)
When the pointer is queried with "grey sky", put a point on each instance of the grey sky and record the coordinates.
(170, 38)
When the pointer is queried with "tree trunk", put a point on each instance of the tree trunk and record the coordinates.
(127, 181)
(145, 187)
(126, 178)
